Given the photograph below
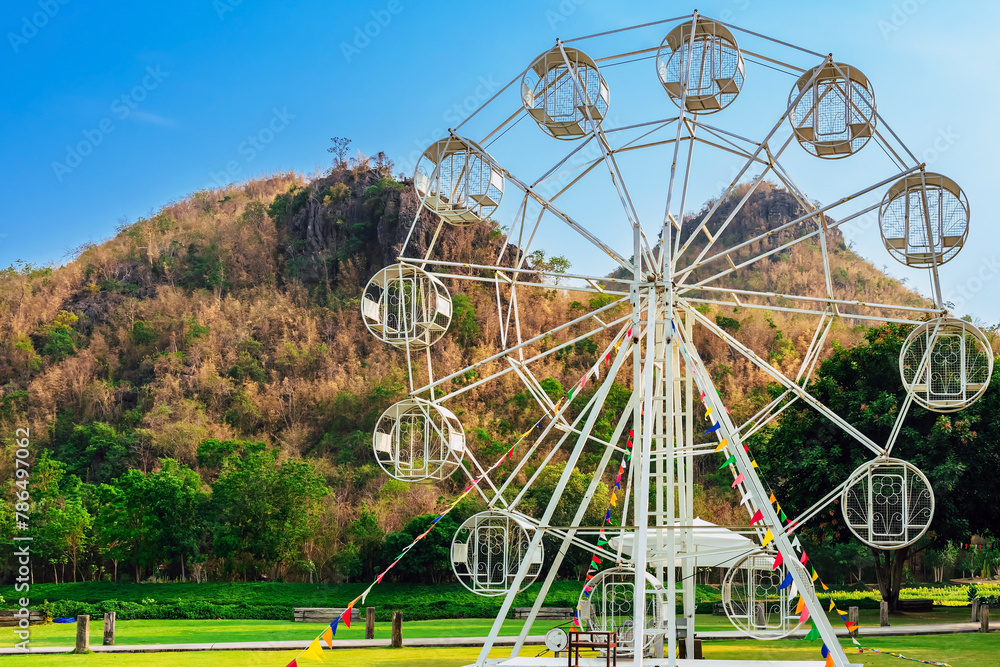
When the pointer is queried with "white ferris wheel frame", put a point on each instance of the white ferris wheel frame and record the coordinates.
(667, 369)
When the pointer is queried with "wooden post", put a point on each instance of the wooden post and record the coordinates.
(82, 634)
(883, 613)
(984, 618)
(109, 629)
(370, 623)
(975, 610)
(853, 617)
(397, 629)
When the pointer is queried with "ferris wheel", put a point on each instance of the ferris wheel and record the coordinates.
(667, 269)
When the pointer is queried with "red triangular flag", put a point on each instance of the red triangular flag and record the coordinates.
(777, 561)
(347, 615)
(292, 664)
(757, 516)
(804, 559)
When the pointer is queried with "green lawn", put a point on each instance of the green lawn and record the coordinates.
(966, 650)
(207, 631)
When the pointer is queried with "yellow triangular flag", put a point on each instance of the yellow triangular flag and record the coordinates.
(767, 538)
(721, 445)
(328, 636)
(833, 605)
(815, 575)
(314, 651)
(614, 499)
(754, 463)
(825, 587)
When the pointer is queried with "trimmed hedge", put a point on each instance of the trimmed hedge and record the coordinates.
(276, 601)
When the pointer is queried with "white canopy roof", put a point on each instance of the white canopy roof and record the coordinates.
(711, 546)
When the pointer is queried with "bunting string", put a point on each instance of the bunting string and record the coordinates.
(789, 526)
(314, 651)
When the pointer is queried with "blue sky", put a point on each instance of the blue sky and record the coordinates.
(114, 109)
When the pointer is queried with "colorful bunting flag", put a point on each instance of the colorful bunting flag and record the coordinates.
(767, 538)
(328, 637)
(314, 651)
(786, 582)
(814, 633)
(778, 560)
(772, 499)
(804, 559)
(714, 428)
(333, 626)
(730, 460)
(757, 516)
(722, 445)
(738, 480)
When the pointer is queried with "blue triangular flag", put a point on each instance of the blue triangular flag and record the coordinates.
(333, 625)
(786, 583)
(607, 517)
(824, 650)
(714, 428)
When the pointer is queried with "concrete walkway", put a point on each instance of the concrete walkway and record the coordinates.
(866, 632)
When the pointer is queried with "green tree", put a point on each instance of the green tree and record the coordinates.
(262, 508)
(96, 452)
(366, 538)
(176, 510)
(429, 561)
(805, 455)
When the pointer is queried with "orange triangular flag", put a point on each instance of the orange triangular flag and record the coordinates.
(722, 445)
(328, 636)
(829, 660)
(801, 605)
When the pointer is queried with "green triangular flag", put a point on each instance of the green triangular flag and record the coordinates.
(813, 634)
(601, 543)
(781, 515)
(731, 459)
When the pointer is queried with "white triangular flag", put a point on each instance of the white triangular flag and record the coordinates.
(796, 543)
(748, 497)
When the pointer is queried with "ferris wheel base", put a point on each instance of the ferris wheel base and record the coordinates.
(653, 662)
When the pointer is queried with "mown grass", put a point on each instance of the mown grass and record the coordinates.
(210, 631)
(966, 650)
